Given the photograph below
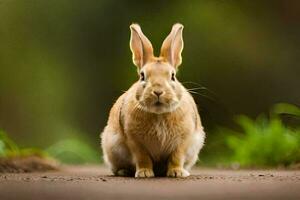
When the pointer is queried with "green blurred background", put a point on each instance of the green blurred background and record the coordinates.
(64, 62)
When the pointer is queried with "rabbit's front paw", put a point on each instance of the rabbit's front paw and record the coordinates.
(144, 173)
(177, 173)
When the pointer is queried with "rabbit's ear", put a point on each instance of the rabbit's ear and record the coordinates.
(140, 46)
(172, 46)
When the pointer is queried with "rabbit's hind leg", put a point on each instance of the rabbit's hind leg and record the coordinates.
(116, 154)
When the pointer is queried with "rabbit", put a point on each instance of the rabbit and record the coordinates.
(154, 128)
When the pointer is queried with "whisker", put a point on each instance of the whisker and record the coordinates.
(214, 99)
(197, 88)
(201, 87)
(193, 92)
(198, 84)
(203, 95)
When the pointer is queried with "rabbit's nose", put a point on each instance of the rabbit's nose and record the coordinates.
(158, 92)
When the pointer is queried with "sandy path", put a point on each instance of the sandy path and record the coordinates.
(95, 183)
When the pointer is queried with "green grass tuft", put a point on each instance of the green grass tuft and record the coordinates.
(264, 142)
(74, 151)
(9, 149)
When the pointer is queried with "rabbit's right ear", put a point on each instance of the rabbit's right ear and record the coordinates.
(140, 46)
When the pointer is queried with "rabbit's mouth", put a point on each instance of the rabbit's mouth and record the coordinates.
(160, 107)
(158, 104)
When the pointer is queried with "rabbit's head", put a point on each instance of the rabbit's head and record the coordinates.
(158, 90)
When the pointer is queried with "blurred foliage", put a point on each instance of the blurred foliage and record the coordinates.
(285, 108)
(74, 151)
(8, 148)
(263, 142)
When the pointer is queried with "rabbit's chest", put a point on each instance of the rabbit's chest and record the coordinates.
(159, 136)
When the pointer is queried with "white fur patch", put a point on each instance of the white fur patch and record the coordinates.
(194, 149)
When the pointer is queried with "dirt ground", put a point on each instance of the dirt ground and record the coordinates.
(95, 182)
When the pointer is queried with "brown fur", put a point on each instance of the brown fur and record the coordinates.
(154, 128)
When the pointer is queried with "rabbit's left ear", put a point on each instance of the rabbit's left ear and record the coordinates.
(173, 45)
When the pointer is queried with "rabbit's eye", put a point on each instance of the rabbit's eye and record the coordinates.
(173, 76)
(142, 75)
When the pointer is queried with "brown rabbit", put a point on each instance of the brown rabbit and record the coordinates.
(154, 128)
